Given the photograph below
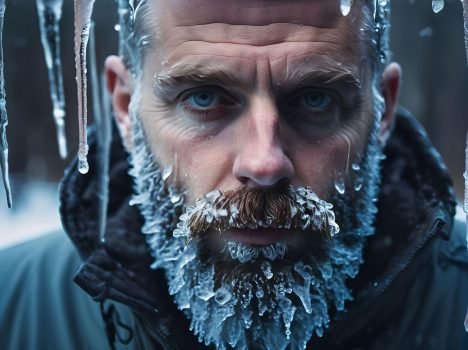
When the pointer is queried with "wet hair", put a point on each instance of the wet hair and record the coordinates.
(137, 28)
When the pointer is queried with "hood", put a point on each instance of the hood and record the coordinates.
(416, 204)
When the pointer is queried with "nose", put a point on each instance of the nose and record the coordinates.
(261, 160)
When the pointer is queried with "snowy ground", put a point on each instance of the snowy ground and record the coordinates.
(34, 212)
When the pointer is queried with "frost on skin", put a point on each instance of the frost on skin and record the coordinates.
(83, 11)
(50, 13)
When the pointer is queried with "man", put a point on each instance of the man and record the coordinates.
(259, 212)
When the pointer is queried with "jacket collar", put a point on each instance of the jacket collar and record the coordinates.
(416, 204)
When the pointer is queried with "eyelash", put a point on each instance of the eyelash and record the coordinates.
(205, 112)
(199, 112)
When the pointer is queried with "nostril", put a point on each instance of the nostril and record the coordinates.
(263, 171)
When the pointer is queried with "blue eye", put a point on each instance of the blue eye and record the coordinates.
(316, 100)
(203, 99)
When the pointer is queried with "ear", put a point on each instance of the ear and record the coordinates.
(390, 87)
(119, 86)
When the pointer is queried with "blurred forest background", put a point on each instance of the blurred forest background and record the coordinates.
(430, 48)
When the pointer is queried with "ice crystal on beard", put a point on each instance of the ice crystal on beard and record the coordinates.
(246, 252)
(315, 215)
(266, 269)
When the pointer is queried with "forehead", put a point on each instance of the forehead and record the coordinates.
(317, 13)
(255, 22)
(248, 32)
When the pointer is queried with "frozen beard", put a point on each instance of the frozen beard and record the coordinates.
(243, 296)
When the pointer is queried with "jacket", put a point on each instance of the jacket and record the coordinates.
(411, 291)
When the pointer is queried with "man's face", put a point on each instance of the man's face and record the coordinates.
(271, 103)
(255, 93)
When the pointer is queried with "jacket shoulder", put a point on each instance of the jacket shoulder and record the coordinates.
(454, 253)
(40, 306)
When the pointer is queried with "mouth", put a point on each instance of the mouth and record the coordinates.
(258, 236)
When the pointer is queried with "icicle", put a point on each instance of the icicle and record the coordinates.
(465, 22)
(466, 321)
(101, 111)
(50, 12)
(3, 116)
(437, 5)
(345, 6)
(465, 175)
(83, 11)
(375, 8)
(126, 13)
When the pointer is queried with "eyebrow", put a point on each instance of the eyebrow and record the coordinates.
(325, 73)
(189, 75)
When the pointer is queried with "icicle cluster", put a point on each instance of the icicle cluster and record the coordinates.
(3, 116)
(50, 12)
(83, 11)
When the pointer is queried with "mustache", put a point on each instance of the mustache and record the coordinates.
(287, 207)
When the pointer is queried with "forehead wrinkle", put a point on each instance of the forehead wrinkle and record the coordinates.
(248, 12)
(254, 35)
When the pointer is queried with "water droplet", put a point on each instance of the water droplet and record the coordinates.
(175, 198)
(358, 184)
(356, 166)
(345, 6)
(59, 112)
(437, 5)
(83, 166)
(340, 186)
(425, 32)
(117, 27)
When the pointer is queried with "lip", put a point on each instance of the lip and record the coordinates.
(258, 236)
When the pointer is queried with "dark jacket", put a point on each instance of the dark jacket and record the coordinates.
(411, 292)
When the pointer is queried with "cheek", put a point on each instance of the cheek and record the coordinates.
(203, 167)
(320, 164)
(199, 165)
